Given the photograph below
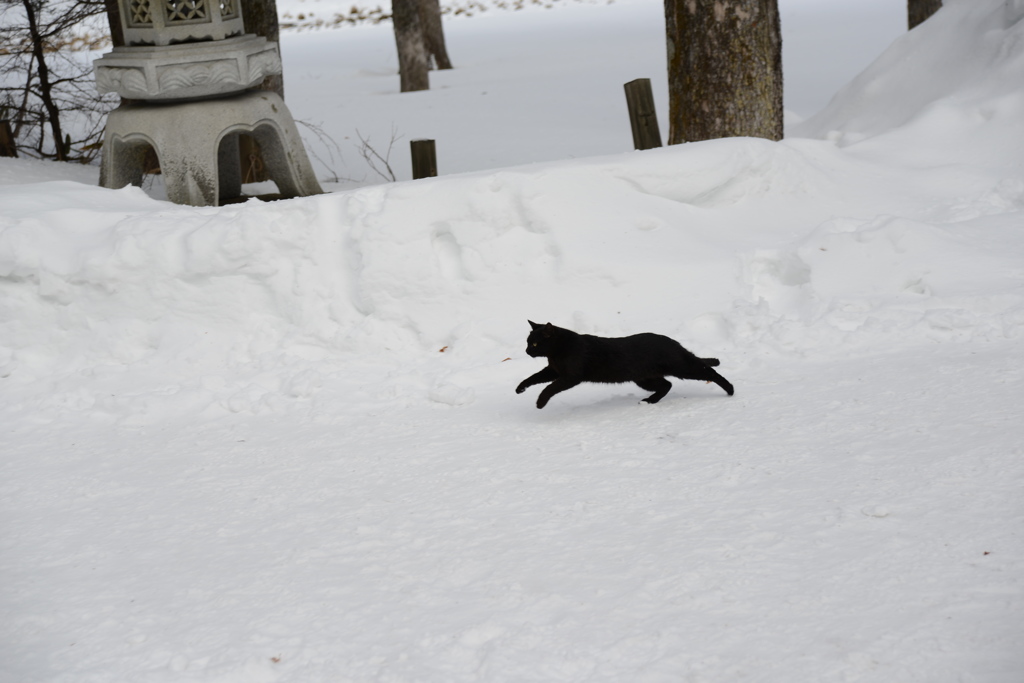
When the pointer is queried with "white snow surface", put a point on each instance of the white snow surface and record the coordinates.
(278, 442)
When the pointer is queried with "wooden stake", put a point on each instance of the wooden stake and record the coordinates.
(424, 159)
(642, 117)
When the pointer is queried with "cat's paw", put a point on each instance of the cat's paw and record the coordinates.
(521, 388)
(541, 402)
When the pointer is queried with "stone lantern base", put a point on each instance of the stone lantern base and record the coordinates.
(187, 71)
(197, 145)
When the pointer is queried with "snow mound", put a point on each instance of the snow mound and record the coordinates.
(961, 73)
(734, 247)
(739, 248)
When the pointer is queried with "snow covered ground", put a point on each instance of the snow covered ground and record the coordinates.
(279, 442)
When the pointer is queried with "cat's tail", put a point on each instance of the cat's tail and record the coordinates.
(710, 362)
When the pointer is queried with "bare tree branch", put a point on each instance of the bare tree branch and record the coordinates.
(46, 90)
(375, 159)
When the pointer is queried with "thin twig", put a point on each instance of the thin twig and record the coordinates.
(373, 157)
(329, 144)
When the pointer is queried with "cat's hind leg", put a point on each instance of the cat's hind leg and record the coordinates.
(720, 381)
(698, 370)
(708, 375)
(659, 385)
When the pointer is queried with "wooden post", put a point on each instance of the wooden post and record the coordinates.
(642, 117)
(7, 146)
(919, 10)
(424, 159)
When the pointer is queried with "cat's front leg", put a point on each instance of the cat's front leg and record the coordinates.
(546, 375)
(555, 387)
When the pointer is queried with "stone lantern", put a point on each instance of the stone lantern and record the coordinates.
(188, 66)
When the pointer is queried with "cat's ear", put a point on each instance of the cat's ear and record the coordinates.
(548, 329)
(533, 325)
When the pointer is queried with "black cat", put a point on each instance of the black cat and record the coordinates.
(644, 359)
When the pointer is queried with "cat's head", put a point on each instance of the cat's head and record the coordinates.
(540, 340)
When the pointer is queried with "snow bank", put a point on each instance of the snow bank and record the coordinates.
(738, 248)
(956, 79)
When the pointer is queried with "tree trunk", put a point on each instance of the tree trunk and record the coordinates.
(412, 53)
(114, 21)
(919, 10)
(7, 146)
(45, 87)
(433, 33)
(260, 18)
(724, 69)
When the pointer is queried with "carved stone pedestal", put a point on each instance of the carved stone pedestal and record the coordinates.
(184, 63)
(197, 144)
(188, 70)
